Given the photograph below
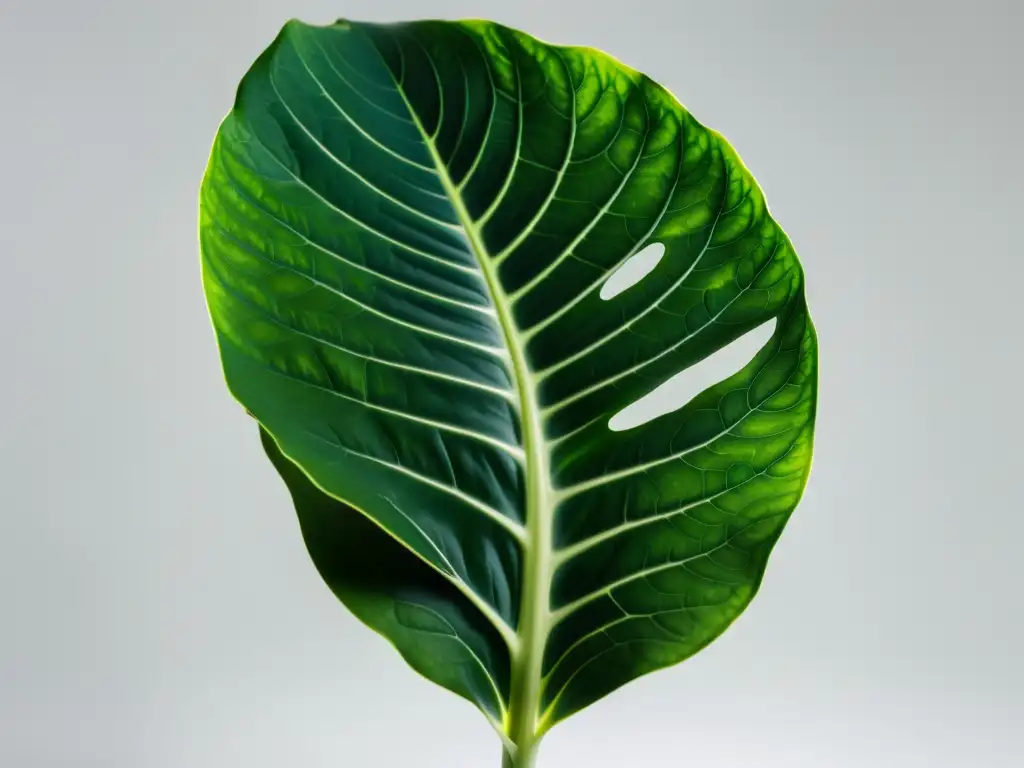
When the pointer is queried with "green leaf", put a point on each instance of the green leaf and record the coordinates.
(414, 241)
(429, 621)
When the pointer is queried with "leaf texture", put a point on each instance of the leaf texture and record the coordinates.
(405, 230)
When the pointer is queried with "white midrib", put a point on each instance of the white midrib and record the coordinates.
(522, 720)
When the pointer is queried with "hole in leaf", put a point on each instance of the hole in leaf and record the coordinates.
(674, 393)
(637, 267)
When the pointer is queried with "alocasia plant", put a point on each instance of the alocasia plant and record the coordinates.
(407, 231)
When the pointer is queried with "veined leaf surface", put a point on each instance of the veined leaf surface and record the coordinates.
(405, 233)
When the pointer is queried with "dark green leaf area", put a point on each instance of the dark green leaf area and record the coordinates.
(393, 592)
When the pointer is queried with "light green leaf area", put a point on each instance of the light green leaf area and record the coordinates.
(405, 233)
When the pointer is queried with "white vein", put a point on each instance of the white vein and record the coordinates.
(654, 358)
(432, 138)
(551, 369)
(510, 525)
(559, 614)
(495, 351)
(490, 117)
(514, 451)
(597, 283)
(611, 477)
(367, 227)
(349, 169)
(485, 217)
(452, 634)
(369, 102)
(573, 550)
(505, 394)
(528, 229)
(362, 130)
(507, 632)
(356, 265)
(604, 628)
(544, 273)
(465, 105)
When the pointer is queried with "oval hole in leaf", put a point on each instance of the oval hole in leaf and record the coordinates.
(673, 394)
(637, 267)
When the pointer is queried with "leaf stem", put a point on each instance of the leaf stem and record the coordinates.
(525, 756)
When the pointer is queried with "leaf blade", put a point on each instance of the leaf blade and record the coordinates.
(406, 229)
